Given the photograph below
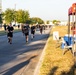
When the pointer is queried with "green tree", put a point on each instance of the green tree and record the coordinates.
(40, 21)
(9, 15)
(29, 21)
(56, 22)
(22, 16)
(47, 22)
(37, 20)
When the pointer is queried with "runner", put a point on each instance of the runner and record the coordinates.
(26, 31)
(41, 29)
(5, 27)
(32, 31)
(22, 27)
(44, 28)
(10, 33)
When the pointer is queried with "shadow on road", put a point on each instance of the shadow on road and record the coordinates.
(14, 69)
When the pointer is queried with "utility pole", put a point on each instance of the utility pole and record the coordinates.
(0, 13)
(15, 15)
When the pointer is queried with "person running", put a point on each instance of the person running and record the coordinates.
(41, 29)
(44, 28)
(22, 28)
(5, 26)
(26, 31)
(10, 33)
(18, 26)
(32, 31)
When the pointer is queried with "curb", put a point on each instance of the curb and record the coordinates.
(37, 70)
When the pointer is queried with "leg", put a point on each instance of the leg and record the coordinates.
(10, 40)
(31, 36)
(26, 38)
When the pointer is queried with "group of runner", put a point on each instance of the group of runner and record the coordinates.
(25, 30)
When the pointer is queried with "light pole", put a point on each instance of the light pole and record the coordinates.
(0, 13)
(15, 14)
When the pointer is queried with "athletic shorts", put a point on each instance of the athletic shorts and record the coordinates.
(10, 34)
(32, 32)
(26, 33)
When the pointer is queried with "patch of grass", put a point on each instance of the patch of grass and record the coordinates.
(54, 62)
(2, 33)
(17, 30)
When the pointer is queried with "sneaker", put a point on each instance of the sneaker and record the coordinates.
(33, 36)
(10, 42)
(26, 41)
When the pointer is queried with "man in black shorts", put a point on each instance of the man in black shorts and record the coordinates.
(10, 33)
(32, 31)
(26, 31)
(41, 28)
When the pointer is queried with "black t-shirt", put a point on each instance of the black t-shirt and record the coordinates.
(10, 28)
(33, 28)
(26, 29)
(41, 27)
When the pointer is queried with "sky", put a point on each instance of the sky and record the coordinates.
(44, 9)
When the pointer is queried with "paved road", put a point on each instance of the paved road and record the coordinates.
(20, 58)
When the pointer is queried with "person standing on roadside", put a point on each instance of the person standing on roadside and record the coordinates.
(26, 32)
(10, 33)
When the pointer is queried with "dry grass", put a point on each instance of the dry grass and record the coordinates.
(54, 63)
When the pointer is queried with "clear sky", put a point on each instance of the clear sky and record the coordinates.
(45, 9)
